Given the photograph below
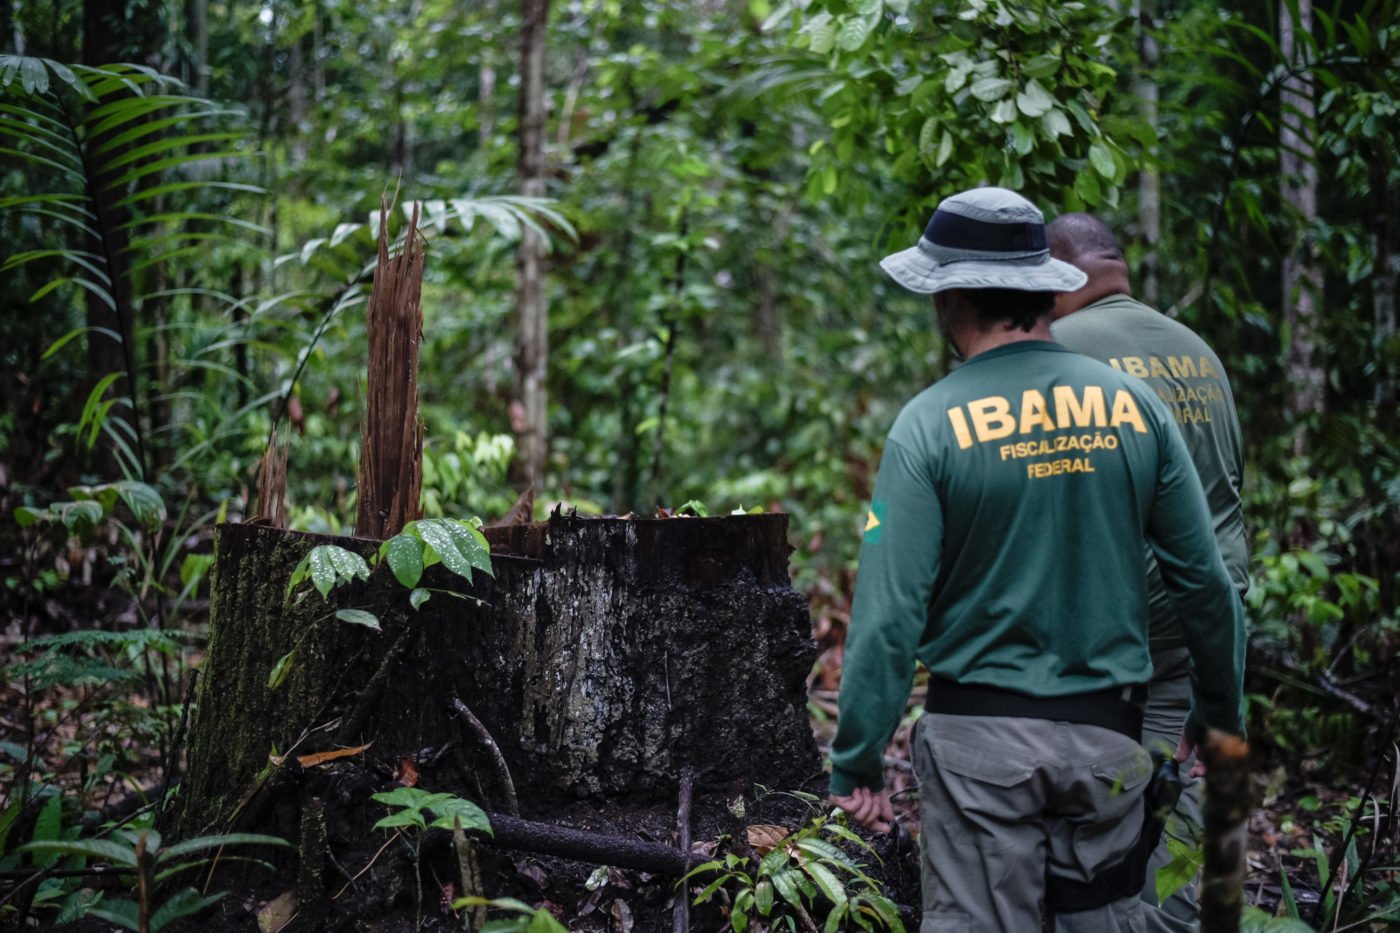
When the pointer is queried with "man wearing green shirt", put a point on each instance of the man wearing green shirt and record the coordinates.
(1102, 320)
(1003, 550)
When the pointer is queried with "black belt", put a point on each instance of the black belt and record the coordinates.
(1117, 708)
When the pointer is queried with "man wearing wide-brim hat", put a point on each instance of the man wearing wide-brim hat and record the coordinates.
(1003, 550)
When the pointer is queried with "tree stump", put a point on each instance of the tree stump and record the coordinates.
(603, 657)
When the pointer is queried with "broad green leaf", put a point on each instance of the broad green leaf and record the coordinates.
(856, 30)
(763, 897)
(404, 554)
(79, 517)
(458, 545)
(100, 850)
(1177, 873)
(27, 515)
(183, 903)
(1102, 159)
(990, 89)
(1022, 138)
(332, 565)
(204, 843)
(456, 808)
(402, 818)
(1055, 124)
(359, 617)
(280, 670)
(826, 882)
(122, 912)
(418, 597)
(145, 503)
(945, 149)
(401, 797)
(1034, 100)
(821, 31)
(542, 921)
(1004, 111)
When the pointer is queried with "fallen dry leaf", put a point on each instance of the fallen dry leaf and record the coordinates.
(765, 837)
(277, 912)
(407, 773)
(622, 916)
(320, 758)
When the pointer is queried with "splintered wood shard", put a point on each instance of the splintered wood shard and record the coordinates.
(271, 507)
(391, 442)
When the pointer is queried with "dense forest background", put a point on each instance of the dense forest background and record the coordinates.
(652, 231)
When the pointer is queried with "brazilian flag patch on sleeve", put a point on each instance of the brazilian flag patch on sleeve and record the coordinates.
(874, 521)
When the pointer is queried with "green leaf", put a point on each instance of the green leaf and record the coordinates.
(184, 903)
(1034, 100)
(1056, 124)
(1022, 138)
(26, 516)
(822, 33)
(856, 29)
(404, 554)
(990, 89)
(1101, 157)
(79, 517)
(785, 882)
(122, 912)
(945, 149)
(1177, 873)
(101, 850)
(359, 617)
(418, 597)
(145, 503)
(402, 818)
(826, 882)
(457, 544)
(456, 808)
(402, 797)
(763, 897)
(280, 670)
(332, 565)
(542, 921)
(204, 843)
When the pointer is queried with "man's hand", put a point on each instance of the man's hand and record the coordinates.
(1184, 750)
(869, 808)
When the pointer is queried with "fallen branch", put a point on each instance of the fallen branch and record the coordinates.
(511, 832)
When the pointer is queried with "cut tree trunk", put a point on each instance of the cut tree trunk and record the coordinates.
(604, 657)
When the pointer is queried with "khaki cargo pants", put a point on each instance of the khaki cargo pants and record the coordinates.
(1004, 801)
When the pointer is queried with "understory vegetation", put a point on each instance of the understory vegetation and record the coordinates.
(188, 210)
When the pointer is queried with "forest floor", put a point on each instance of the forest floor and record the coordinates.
(1303, 809)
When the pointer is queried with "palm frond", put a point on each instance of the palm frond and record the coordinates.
(102, 147)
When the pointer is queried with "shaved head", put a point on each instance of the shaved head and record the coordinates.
(1075, 235)
(1084, 241)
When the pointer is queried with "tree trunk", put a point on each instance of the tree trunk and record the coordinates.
(1150, 178)
(197, 35)
(532, 322)
(1383, 274)
(603, 657)
(1302, 279)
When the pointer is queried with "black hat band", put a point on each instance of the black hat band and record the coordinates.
(954, 231)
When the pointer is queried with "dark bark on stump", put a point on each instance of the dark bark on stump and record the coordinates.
(605, 656)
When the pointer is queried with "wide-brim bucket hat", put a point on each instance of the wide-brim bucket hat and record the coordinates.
(983, 238)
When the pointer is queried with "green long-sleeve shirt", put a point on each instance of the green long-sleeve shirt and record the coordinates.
(1186, 374)
(1003, 547)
